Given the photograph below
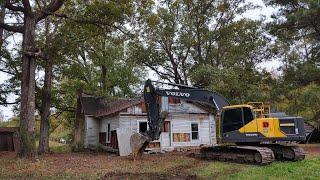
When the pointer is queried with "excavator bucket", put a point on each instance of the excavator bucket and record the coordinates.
(138, 143)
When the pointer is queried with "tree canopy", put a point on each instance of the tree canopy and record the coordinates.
(108, 49)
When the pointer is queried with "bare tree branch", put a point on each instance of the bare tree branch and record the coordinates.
(18, 29)
(50, 9)
(8, 103)
(6, 71)
(11, 7)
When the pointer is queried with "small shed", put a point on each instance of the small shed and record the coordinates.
(9, 139)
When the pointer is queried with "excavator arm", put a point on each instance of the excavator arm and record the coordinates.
(151, 94)
(155, 119)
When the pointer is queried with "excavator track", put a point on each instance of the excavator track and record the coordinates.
(240, 154)
(288, 153)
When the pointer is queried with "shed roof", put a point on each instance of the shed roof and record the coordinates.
(9, 129)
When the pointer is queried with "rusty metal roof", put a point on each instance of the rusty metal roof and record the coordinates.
(116, 106)
(100, 106)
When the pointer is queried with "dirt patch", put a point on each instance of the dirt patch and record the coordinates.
(311, 149)
(97, 165)
(7, 154)
(143, 176)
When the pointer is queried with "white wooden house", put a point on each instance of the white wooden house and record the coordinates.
(186, 125)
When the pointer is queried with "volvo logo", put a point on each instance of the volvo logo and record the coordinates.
(178, 94)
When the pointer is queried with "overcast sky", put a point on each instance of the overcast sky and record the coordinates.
(253, 14)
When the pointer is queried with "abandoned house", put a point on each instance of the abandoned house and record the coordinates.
(187, 124)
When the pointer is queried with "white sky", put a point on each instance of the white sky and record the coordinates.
(253, 14)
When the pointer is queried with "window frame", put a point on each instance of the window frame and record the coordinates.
(223, 121)
(191, 131)
(142, 121)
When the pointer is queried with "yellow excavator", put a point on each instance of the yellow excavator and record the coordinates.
(246, 133)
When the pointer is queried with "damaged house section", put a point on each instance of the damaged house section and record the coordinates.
(111, 123)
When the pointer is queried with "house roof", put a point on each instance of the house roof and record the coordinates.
(100, 106)
(116, 106)
(91, 105)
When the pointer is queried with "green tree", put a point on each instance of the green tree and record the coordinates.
(204, 43)
(297, 33)
(32, 14)
(95, 60)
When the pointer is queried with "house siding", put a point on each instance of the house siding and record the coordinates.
(131, 122)
(182, 124)
(91, 131)
(113, 121)
(184, 108)
(213, 133)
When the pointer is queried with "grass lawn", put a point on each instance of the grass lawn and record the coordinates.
(65, 165)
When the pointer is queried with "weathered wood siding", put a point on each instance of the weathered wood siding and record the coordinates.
(113, 121)
(184, 108)
(182, 124)
(92, 127)
(213, 133)
(131, 122)
(114, 124)
(134, 110)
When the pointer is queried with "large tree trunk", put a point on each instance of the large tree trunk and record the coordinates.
(45, 110)
(2, 13)
(27, 119)
(78, 141)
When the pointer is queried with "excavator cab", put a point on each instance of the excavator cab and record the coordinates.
(253, 124)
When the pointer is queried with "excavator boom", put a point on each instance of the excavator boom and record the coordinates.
(155, 118)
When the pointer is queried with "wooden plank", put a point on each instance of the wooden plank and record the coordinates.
(114, 140)
(181, 137)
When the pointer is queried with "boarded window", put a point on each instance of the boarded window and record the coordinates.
(181, 137)
(194, 131)
(173, 100)
(143, 127)
(166, 126)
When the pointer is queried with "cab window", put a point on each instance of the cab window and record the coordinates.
(232, 120)
(248, 116)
